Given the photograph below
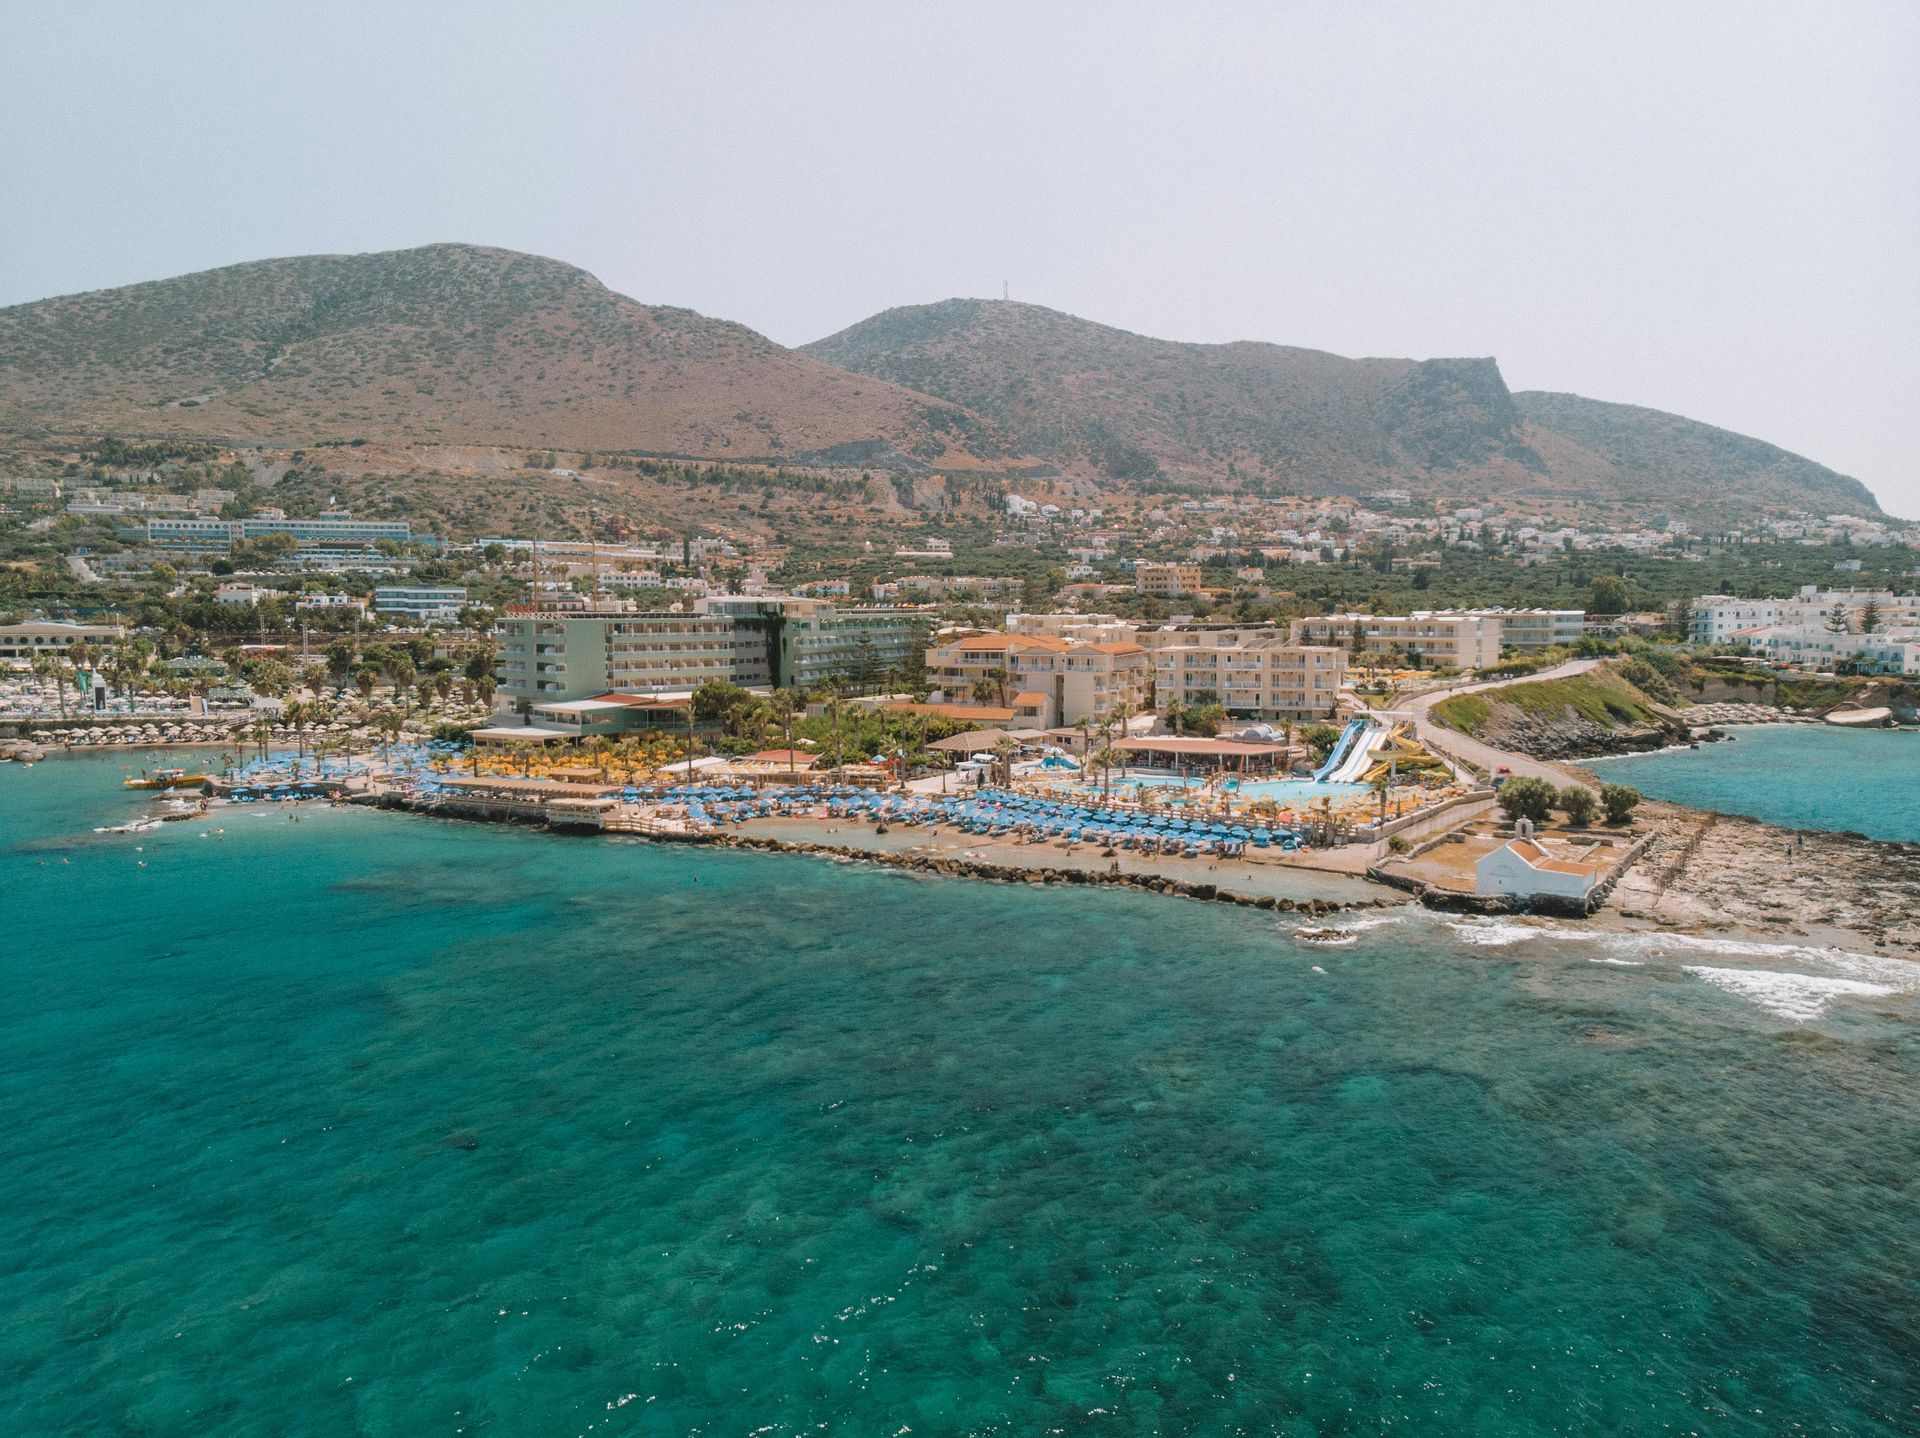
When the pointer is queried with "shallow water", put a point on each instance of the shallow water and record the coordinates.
(376, 1125)
(1804, 776)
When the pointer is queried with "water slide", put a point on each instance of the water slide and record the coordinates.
(1347, 737)
(1360, 757)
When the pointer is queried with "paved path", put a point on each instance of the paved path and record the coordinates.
(1456, 745)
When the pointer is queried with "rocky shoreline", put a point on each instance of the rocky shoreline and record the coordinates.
(1709, 870)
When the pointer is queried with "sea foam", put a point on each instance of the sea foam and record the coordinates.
(1799, 997)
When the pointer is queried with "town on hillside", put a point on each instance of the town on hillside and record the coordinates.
(1332, 680)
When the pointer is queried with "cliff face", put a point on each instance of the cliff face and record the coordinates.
(1109, 405)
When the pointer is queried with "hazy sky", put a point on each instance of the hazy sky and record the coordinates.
(1712, 209)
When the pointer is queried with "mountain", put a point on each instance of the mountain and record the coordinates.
(1648, 450)
(1109, 405)
(450, 343)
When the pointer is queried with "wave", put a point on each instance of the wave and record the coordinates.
(1500, 933)
(1799, 997)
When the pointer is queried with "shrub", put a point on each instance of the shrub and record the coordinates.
(1578, 803)
(1619, 801)
(1528, 799)
(1398, 843)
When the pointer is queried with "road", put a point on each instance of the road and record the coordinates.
(1456, 745)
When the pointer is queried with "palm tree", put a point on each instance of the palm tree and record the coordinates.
(390, 723)
(1003, 755)
(1104, 728)
(833, 714)
(48, 666)
(783, 705)
(296, 714)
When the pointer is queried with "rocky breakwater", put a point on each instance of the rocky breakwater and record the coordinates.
(1017, 874)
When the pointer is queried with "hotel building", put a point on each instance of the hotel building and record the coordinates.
(428, 604)
(553, 655)
(1269, 679)
(1459, 640)
(1053, 680)
(1167, 581)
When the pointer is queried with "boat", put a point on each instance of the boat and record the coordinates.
(137, 826)
(165, 779)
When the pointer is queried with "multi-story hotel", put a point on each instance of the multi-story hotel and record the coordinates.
(1535, 628)
(1058, 681)
(203, 534)
(1167, 581)
(553, 655)
(1459, 640)
(1818, 628)
(1267, 679)
(424, 602)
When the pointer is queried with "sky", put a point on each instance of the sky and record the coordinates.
(1709, 209)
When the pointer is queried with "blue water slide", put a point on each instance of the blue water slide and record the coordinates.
(1360, 757)
(1347, 737)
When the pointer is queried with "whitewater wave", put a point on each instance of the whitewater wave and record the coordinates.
(1376, 921)
(1500, 933)
(1798, 997)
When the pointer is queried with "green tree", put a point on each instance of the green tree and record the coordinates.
(1578, 803)
(1607, 595)
(718, 702)
(1528, 798)
(1619, 802)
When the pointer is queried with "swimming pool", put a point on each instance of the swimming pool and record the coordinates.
(1284, 791)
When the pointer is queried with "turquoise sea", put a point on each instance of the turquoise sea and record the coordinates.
(372, 1125)
(1804, 776)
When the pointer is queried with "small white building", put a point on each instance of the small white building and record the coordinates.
(1523, 868)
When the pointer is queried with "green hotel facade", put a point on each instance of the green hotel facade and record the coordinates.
(554, 656)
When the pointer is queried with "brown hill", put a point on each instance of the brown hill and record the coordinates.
(1107, 404)
(450, 343)
(1649, 453)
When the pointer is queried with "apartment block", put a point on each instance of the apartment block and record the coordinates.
(1267, 680)
(430, 604)
(1167, 581)
(551, 655)
(1536, 628)
(1448, 639)
(1059, 681)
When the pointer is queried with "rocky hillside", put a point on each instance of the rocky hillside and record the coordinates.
(455, 344)
(1648, 451)
(1599, 712)
(1113, 406)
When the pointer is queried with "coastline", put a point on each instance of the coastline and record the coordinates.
(1286, 888)
(1706, 873)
